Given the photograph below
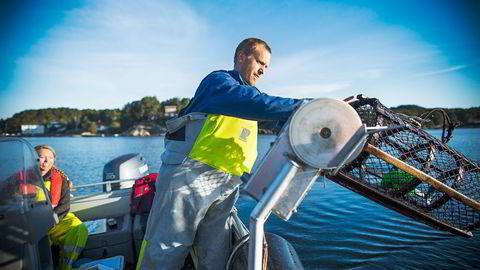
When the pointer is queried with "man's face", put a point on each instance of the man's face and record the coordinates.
(46, 160)
(253, 66)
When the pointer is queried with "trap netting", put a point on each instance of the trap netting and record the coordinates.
(386, 184)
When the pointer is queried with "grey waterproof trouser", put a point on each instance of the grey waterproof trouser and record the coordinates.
(190, 209)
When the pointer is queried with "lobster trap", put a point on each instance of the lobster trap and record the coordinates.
(364, 146)
(408, 170)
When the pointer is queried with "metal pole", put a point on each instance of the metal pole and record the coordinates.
(261, 211)
(105, 183)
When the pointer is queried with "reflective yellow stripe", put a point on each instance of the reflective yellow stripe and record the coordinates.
(72, 248)
(71, 235)
(140, 256)
(68, 222)
(227, 143)
(39, 194)
(48, 185)
(67, 261)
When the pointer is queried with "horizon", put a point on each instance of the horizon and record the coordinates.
(105, 54)
(120, 108)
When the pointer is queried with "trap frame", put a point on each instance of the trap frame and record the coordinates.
(449, 202)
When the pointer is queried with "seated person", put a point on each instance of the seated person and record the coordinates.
(70, 234)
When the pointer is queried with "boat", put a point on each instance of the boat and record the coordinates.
(357, 143)
(115, 231)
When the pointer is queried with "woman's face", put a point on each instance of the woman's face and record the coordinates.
(46, 160)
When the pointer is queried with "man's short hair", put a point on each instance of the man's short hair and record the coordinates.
(248, 45)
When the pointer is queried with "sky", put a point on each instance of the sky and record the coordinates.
(103, 54)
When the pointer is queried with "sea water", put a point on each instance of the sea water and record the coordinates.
(334, 227)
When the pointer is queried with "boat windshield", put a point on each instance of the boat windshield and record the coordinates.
(20, 181)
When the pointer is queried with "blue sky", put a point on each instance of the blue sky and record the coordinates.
(104, 54)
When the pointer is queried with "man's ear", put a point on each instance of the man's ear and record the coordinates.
(240, 57)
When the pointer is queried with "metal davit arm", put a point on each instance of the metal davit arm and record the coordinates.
(261, 211)
(321, 135)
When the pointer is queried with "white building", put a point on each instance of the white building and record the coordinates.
(32, 129)
(102, 128)
(170, 111)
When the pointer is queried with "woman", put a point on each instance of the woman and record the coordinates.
(70, 234)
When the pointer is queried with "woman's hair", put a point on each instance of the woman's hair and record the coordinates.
(48, 147)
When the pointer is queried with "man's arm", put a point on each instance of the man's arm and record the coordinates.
(220, 93)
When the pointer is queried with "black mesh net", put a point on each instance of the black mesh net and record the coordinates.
(386, 184)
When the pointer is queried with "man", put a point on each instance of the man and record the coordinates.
(208, 147)
(70, 234)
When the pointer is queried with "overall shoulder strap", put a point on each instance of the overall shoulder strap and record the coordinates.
(57, 182)
(179, 122)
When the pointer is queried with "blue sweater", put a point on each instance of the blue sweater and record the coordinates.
(225, 92)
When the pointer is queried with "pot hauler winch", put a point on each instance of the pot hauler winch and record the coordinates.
(392, 161)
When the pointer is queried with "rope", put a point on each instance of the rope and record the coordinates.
(447, 126)
(241, 242)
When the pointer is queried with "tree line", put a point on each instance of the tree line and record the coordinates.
(469, 117)
(74, 121)
(149, 110)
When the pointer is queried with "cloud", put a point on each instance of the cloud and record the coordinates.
(375, 73)
(440, 71)
(113, 52)
(311, 90)
(109, 53)
(361, 60)
(375, 59)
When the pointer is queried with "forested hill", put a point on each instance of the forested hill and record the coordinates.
(149, 111)
(464, 117)
(67, 121)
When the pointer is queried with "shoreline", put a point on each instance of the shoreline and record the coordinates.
(262, 132)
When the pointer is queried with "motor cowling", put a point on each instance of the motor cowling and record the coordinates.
(125, 167)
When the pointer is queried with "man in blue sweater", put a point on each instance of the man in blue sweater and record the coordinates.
(207, 148)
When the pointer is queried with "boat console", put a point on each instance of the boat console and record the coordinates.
(26, 212)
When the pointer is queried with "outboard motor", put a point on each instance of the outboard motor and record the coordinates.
(125, 167)
(26, 212)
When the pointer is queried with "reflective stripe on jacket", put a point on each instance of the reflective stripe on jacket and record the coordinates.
(227, 143)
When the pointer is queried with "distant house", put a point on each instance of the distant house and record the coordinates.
(32, 129)
(170, 111)
(101, 128)
(56, 127)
